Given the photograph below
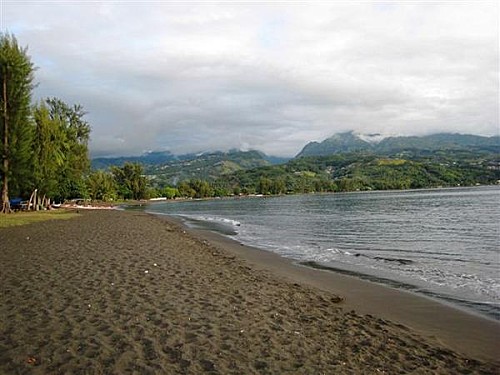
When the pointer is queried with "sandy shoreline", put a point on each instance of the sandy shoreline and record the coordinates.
(464, 331)
(114, 292)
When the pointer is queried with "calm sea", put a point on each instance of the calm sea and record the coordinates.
(443, 243)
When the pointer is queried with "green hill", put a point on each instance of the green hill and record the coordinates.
(208, 166)
(352, 142)
(344, 162)
(368, 171)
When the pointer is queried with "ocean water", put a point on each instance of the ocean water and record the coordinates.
(443, 243)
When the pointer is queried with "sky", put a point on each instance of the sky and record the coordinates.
(204, 76)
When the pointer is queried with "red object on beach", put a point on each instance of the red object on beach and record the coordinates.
(31, 361)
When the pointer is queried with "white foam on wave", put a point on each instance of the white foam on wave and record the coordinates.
(234, 223)
(334, 250)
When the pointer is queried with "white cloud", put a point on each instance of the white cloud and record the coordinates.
(202, 76)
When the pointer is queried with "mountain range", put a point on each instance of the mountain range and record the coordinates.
(376, 143)
(166, 158)
(166, 168)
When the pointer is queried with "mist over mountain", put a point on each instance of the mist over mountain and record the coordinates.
(344, 162)
(157, 158)
(377, 143)
(167, 168)
(338, 143)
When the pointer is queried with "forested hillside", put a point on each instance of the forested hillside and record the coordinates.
(349, 172)
(363, 171)
(169, 169)
(391, 163)
(375, 143)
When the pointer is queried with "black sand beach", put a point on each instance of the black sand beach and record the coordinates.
(114, 292)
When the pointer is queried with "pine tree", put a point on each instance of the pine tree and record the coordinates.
(50, 149)
(16, 84)
(75, 133)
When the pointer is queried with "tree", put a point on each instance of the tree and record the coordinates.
(185, 190)
(101, 186)
(130, 181)
(170, 192)
(76, 133)
(50, 150)
(202, 188)
(59, 150)
(278, 186)
(16, 81)
(264, 186)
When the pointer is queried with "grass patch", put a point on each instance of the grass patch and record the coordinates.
(391, 162)
(24, 218)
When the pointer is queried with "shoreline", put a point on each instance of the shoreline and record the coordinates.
(456, 303)
(462, 274)
(469, 307)
(121, 292)
(460, 329)
(437, 188)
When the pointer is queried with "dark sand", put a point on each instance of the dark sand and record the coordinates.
(115, 292)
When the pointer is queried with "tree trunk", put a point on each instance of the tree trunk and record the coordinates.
(5, 179)
(5, 190)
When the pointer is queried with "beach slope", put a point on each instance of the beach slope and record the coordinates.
(113, 292)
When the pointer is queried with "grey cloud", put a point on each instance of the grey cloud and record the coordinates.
(196, 77)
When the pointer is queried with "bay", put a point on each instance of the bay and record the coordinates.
(442, 243)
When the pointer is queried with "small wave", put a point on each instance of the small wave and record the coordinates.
(361, 275)
(234, 223)
(341, 252)
(401, 261)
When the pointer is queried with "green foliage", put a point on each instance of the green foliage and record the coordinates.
(49, 151)
(196, 189)
(361, 171)
(44, 147)
(170, 192)
(264, 185)
(101, 186)
(185, 190)
(59, 150)
(131, 182)
(74, 138)
(16, 85)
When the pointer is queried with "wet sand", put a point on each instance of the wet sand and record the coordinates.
(114, 292)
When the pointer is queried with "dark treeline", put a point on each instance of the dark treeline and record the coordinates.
(44, 145)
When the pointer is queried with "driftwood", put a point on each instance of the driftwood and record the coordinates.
(32, 201)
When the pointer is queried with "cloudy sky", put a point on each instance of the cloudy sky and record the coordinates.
(198, 76)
